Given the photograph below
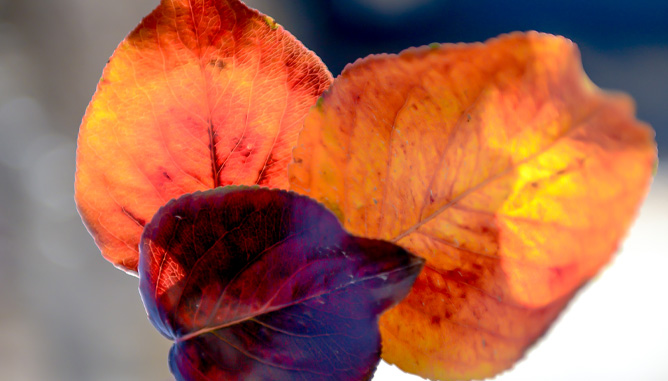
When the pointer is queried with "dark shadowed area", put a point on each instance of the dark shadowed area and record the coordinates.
(67, 314)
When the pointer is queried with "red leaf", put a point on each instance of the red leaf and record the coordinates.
(254, 283)
(202, 93)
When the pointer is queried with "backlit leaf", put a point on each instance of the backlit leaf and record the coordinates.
(499, 163)
(258, 284)
(202, 93)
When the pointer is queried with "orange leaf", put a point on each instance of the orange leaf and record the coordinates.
(203, 93)
(502, 165)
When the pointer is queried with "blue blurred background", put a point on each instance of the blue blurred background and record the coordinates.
(66, 314)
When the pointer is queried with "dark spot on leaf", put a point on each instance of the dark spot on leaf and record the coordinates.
(141, 222)
(213, 154)
(461, 276)
(217, 63)
(265, 172)
(244, 150)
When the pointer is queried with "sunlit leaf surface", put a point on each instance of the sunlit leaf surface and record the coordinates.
(502, 165)
(202, 93)
(258, 284)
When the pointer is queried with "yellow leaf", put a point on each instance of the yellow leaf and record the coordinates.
(502, 165)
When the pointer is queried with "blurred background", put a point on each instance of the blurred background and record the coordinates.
(66, 314)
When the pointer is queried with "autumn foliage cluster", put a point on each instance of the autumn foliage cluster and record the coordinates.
(273, 214)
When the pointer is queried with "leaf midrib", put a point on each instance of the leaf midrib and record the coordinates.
(512, 167)
(296, 302)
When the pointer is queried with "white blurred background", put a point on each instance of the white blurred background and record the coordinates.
(66, 314)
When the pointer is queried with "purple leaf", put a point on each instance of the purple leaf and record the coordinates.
(263, 284)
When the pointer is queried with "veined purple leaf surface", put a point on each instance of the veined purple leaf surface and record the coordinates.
(253, 283)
